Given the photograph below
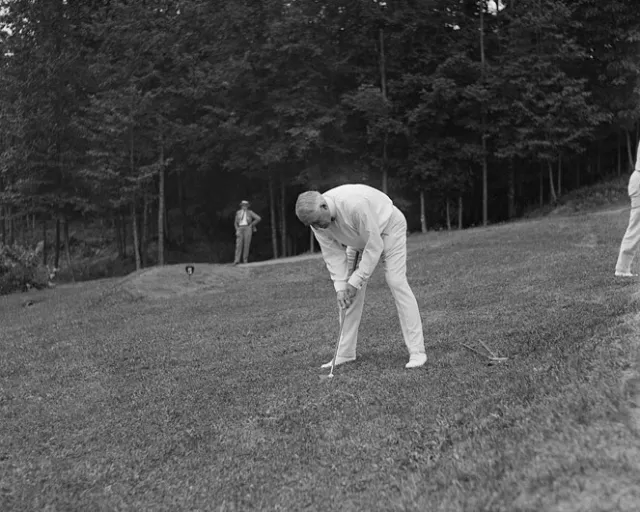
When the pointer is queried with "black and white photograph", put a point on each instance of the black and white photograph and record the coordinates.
(319, 255)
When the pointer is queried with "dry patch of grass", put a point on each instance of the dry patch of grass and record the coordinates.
(173, 281)
(213, 400)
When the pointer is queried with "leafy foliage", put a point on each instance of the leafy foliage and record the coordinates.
(21, 269)
(228, 99)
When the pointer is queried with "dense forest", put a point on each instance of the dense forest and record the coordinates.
(155, 118)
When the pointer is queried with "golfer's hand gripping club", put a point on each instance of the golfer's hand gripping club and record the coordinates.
(345, 297)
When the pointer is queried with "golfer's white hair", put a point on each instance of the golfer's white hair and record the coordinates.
(308, 206)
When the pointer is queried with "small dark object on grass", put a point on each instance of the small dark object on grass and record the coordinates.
(493, 359)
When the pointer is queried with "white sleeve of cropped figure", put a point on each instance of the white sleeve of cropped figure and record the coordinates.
(335, 257)
(634, 184)
(367, 226)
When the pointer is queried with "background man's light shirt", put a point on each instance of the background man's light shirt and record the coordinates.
(360, 215)
(243, 220)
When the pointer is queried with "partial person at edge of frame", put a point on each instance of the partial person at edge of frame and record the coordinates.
(631, 240)
(245, 224)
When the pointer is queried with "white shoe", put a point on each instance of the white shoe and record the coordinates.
(339, 361)
(416, 360)
(625, 274)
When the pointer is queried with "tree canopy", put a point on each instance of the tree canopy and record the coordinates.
(175, 110)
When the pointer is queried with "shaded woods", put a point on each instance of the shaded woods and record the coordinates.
(154, 119)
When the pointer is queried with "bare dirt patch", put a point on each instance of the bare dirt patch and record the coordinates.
(173, 281)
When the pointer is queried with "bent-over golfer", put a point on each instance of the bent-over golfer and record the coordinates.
(366, 221)
(631, 240)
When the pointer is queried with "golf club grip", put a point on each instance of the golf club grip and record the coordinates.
(355, 261)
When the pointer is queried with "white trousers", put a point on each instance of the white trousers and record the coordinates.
(394, 256)
(630, 242)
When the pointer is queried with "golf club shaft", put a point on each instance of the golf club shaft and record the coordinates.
(343, 314)
(335, 355)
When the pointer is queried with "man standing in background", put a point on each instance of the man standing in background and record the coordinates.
(631, 240)
(245, 224)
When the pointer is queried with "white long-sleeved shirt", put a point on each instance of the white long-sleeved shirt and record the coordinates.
(634, 183)
(634, 188)
(359, 216)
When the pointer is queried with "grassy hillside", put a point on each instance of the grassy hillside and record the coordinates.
(155, 393)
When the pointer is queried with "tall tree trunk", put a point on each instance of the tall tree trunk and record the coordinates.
(56, 261)
(44, 242)
(3, 215)
(272, 213)
(383, 67)
(383, 90)
(183, 210)
(312, 247)
(283, 219)
(67, 246)
(22, 223)
(619, 154)
(448, 214)
(136, 242)
(161, 207)
(541, 186)
(12, 226)
(511, 192)
(4, 225)
(12, 231)
(134, 215)
(559, 176)
(123, 226)
(118, 233)
(460, 211)
(144, 242)
(385, 172)
(629, 150)
(485, 181)
(423, 213)
(167, 224)
(485, 178)
(552, 188)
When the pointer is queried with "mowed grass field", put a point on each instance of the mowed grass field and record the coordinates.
(212, 399)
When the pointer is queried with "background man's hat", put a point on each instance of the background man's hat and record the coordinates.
(244, 202)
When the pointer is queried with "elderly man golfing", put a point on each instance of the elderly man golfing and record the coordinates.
(366, 221)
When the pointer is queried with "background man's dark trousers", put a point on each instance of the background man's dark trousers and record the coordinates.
(243, 243)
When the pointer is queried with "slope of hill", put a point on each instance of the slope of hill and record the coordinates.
(212, 399)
